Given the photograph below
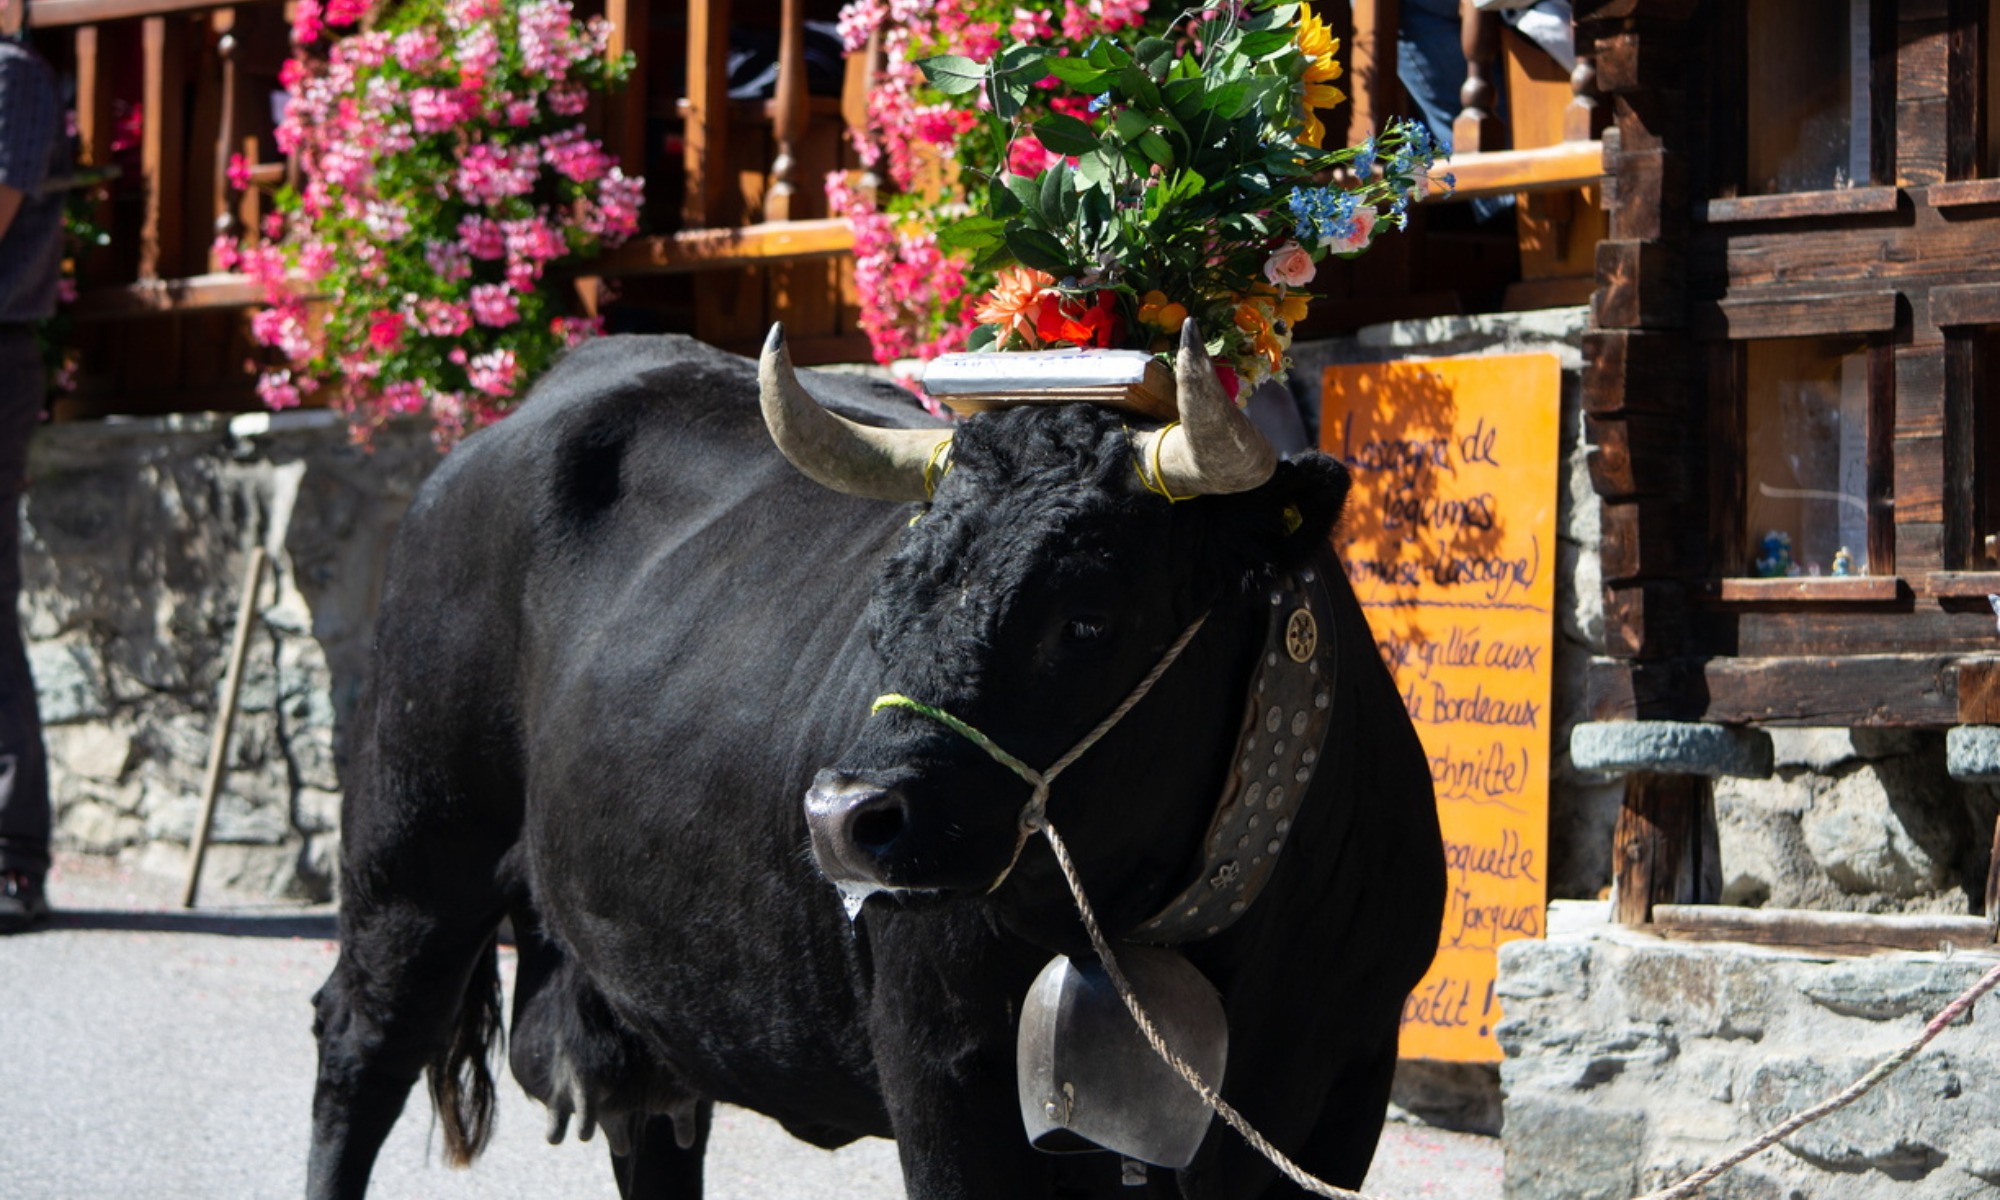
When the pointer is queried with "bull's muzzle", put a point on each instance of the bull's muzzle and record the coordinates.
(855, 827)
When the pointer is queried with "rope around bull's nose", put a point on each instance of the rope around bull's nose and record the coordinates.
(1682, 1190)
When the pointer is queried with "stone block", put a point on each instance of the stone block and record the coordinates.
(1570, 1151)
(69, 681)
(1670, 748)
(1874, 833)
(1972, 753)
(92, 751)
(1827, 749)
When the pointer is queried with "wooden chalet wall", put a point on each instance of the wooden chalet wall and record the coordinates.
(1696, 269)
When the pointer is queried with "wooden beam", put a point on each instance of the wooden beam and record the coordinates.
(1824, 932)
(1796, 316)
(709, 249)
(1820, 589)
(1886, 691)
(52, 14)
(165, 297)
(1504, 172)
(1788, 206)
(1979, 697)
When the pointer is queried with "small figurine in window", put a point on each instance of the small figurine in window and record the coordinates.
(1774, 558)
(1843, 562)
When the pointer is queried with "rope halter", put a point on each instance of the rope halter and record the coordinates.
(1034, 814)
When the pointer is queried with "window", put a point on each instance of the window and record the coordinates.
(1806, 469)
(1807, 94)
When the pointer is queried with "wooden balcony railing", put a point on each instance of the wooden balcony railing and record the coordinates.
(736, 193)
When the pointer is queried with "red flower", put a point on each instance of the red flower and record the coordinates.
(1068, 320)
(385, 330)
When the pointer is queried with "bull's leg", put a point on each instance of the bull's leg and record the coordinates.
(415, 986)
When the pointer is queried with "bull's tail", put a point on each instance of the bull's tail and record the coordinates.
(461, 1084)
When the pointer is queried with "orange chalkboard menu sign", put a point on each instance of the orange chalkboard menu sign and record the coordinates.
(1449, 541)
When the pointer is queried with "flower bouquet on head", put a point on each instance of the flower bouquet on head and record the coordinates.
(445, 167)
(1193, 183)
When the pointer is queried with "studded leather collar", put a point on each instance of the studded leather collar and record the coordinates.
(1281, 744)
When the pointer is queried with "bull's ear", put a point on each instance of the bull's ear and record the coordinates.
(1284, 522)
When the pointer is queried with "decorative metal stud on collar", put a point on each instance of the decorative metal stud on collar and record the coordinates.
(1282, 744)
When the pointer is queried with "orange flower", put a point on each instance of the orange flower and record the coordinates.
(1015, 303)
(1158, 312)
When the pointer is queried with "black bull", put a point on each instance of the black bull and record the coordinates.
(621, 636)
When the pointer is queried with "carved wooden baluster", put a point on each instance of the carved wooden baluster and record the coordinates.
(226, 140)
(1476, 128)
(1586, 116)
(706, 132)
(790, 123)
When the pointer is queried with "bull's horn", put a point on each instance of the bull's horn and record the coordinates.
(885, 464)
(1214, 449)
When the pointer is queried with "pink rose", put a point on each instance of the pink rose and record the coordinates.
(1290, 266)
(1362, 226)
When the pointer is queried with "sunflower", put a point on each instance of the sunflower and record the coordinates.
(1318, 45)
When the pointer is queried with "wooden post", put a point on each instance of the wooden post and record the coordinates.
(706, 134)
(1993, 885)
(1659, 850)
(1476, 128)
(1374, 74)
(218, 747)
(161, 147)
(789, 127)
(625, 116)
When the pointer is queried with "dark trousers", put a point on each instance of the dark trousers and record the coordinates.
(24, 769)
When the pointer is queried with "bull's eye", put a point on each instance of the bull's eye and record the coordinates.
(1085, 630)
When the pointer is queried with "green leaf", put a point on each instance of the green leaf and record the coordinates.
(983, 337)
(1053, 181)
(1079, 74)
(1155, 148)
(1139, 87)
(1129, 124)
(1037, 249)
(1026, 192)
(1065, 134)
(1273, 18)
(952, 74)
(1093, 170)
(971, 233)
(1022, 60)
(1001, 200)
(1257, 45)
(1151, 50)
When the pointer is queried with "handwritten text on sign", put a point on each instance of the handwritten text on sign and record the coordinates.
(1449, 540)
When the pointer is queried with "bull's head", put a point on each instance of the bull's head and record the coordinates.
(1043, 582)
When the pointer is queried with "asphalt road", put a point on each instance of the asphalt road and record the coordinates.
(150, 1052)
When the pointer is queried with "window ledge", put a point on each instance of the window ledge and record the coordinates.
(1963, 585)
(1842, 202)
(1809, 589)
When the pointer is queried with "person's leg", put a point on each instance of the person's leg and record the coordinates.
(24, 784)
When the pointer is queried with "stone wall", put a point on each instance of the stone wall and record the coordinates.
(136, 539)
(1633, 1061)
